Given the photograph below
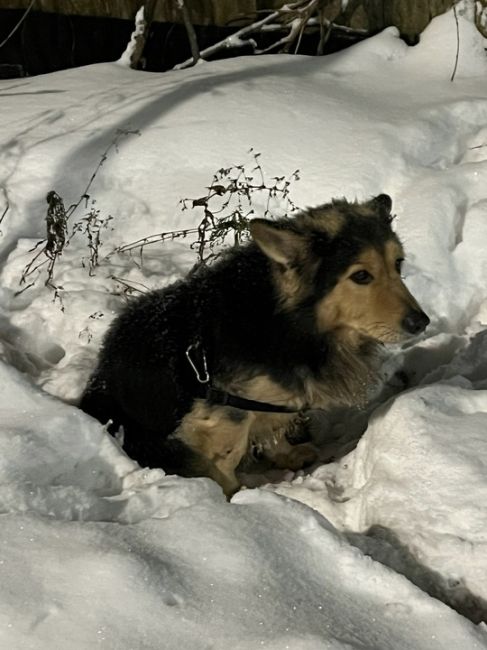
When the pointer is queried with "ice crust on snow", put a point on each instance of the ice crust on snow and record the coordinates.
(362, 552)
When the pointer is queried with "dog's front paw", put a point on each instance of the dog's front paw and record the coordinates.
(298, 431)
(296, 458)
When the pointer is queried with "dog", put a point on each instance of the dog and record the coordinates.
(232, 355)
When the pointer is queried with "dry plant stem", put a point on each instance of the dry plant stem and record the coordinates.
(227, 207)
(91, 226)
(128, 284)
(154, 239)
(56, 222)
(119, 134)
(49, 249)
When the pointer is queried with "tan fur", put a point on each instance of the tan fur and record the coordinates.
(330, 220)
(345, 372)
(292, 287)
(263, 389)
(219, 439)
(375, 309)
(293, 270)
(350, 311)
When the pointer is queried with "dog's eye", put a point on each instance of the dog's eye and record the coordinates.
(399, 262)
(361, 277)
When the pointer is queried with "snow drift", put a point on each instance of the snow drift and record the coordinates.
(96, 551)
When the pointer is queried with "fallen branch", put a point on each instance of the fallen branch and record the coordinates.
(294, 18)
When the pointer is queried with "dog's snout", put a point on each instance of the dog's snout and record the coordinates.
(415, 322)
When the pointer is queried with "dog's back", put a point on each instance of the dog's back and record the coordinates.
(144, 381)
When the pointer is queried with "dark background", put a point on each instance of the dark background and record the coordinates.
(46, 42)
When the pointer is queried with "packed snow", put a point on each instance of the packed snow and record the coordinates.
(380, 546)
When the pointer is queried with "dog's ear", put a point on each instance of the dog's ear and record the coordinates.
(382, 203)
(281, 244)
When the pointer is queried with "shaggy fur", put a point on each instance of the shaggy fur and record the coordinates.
(289, 319)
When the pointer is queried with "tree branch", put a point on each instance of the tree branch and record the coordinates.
(143, 22)
(24, 16)
(293, 18)
(458, 43)
(193, 41)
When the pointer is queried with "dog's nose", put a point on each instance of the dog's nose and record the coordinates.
(415, 322)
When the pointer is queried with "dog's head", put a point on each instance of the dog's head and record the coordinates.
(341, 262)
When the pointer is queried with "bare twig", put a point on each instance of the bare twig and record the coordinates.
(325, 30)
(7, 207)
(24, 16)
(285, 41)
(235, 40)
(193, 41)
(129, 285)
(119, 134)
(458, 43)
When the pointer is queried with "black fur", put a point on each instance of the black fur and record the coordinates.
(144, 381)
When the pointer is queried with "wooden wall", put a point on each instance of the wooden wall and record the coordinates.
(410, 16)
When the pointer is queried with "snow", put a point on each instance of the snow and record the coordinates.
(138, 33)
(385, 546)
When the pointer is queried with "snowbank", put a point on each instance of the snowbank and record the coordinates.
(96, 551)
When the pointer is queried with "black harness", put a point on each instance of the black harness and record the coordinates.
(196, 357)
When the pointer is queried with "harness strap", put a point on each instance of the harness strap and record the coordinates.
(223, 398)
(196, 357)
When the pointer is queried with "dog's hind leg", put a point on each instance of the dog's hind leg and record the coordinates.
(218, 436)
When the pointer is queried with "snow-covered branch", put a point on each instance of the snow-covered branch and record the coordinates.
(132, 57)
(293, 18)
